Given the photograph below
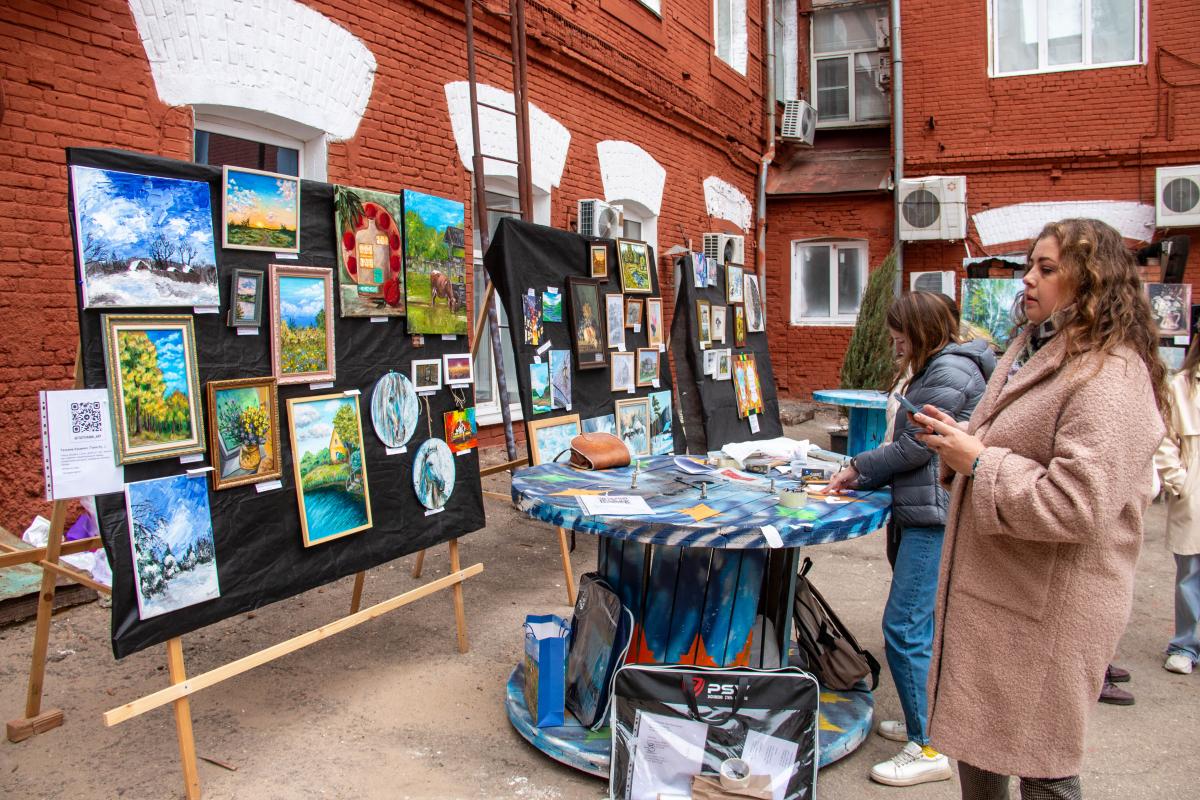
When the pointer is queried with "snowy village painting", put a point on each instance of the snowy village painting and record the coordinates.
(143, 240)
(260, 210)
(435, 273)
(171, 535)
(331, 473)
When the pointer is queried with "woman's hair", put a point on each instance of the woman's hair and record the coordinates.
(1109, 309)
(1190, 362)
(927, 322)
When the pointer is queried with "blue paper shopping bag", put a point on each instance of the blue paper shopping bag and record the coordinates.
(545, 667)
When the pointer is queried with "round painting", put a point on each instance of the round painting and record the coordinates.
(394, 409)
(433, 473)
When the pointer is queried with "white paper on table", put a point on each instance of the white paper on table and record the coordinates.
(614, 504)
(667, 752)
(77, 444)
(770, 755)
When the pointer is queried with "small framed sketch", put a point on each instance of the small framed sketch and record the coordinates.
(458, 367)
(245, 298)
(427, 374)
(734, 288)
(724, 366)
(599, 261)
(710, 363)
(302, 324)
(755, 317)
(548, 438)
(243, 431)
(614, 318)
(623, 373)
(739, 326)
(718, 324)
(710, 274)
(587, 323)
(260, 210)
(654, 321)
(647, 366)
(633, 312)
(704, 323)
(633, 425)
(633, 258)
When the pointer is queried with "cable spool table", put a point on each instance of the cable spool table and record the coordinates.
(696, 576)
(868, 416)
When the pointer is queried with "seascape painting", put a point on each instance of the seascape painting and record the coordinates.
(661, 440)
(552, 305)
(243, 428)
(549, 438)
(143, 240)
(461, 431)
(171, 536)
(370, 256)
(433, 474)
(394, 409)
(633, 425)
(987, 308)
(435, 273)
(560, 378)
(606, 423)
(302, 342)
(260, 211)
(539, 388)
(331, 472)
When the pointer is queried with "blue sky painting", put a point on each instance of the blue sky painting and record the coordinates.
(300, 299)
(436, 212)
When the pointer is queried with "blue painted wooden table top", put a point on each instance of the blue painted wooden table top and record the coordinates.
(852, 398)
(731, 517)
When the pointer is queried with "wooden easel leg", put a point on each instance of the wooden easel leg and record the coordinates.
(183, 721)
(356, 598)
(460, 612)
(416, 573)
(568, 573)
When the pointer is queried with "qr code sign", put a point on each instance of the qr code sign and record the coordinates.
(85, 417)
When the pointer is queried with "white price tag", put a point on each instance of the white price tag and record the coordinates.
(268, 486)
(350, 392)
(537, 359)
(287, 256)
(192, 459)
(312, 387)
(631, 390)
(754, 423)
(247, 331)
(199, 470)
(426, 394)
(379, 319)
(449, 337)
(1181, 339)
(568, 406)
(463, 452)
(544, 347)
(637, 328)
(395, 451)
(662, 347)
(657, 383)
(771, 534)
(205, 309)
(433, 511)
(621, 348)
(704, 345)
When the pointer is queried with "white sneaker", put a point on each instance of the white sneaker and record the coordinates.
(911, 766)
(1178, 662)
(893, 729)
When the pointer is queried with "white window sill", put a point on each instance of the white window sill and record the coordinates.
(841, 123)
(1063, 68)
(496, 418)
(825, 322)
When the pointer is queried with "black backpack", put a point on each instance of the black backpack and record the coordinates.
(827, 648)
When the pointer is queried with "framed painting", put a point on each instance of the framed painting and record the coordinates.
(435, 271)
(734, 287)
(704, 322)
(634, 261)
(710, 363)
(718, 324)
(746, 387)
(633, 425)
(434, 474)
(427, 374)
(621, 377)
(588, 339)
(599, 261)
(560, 379)
(259, 210)
(331, 471)
(394, 409)
(532, 306)
(756, 321)
(605, 423)
(243, 431)
(461, 430)
(633, 313)
(548, 438)
(987, 308)
(143, 241)
(458, 369)
(539, 388)
(245, 298)
(552, 305)
(153, 385)
(301, 324)
(614, 319)
(699, 266)
(739, 326)
(654, 321)
(661, 441)
(1171, 307)
(369, 254)
(647, 366)
(724, 366)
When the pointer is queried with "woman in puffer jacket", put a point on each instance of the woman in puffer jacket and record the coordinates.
(951, 375)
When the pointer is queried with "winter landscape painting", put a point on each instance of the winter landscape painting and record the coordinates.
(260, 211)
(331, 473)
(435, 272)
(143, 240)
(560, 378)
(548, 438)
(170, 532)
(661, 440)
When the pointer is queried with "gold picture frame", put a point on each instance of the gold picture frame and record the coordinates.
(538, 432)
(336, 473)
(237, 459)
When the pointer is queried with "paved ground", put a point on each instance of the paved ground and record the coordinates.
(390, 710)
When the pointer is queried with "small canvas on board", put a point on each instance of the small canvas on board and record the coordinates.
(260, 210)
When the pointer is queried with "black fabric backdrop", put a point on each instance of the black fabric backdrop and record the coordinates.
(522, 256)
(715, 400)
(261, 557)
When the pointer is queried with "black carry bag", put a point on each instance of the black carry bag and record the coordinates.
(671, 723)
(601, 630)
(827, 648)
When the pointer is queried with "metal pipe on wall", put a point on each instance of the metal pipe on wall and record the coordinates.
(760, 250)
(897, 141)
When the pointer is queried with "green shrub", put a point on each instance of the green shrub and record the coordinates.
(869, 363)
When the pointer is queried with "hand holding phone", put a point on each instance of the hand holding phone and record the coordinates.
(908, 404)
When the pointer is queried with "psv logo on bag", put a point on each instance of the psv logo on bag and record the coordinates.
(721, 691)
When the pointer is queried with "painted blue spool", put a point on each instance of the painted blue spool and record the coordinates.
(868, 416)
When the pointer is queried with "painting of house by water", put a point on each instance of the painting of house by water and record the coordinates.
(331, 473)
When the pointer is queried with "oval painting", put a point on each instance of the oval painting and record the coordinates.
(394, 409)
(433, 473)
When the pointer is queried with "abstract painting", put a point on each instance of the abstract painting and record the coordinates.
(539, 388)
(245, 299)
(633, 425)
(560, 378)
(661, 441)
(987, 308)
(1171, 307)
(433, 474)
(756, 320)
(370, 260)
(552, 305)
(614, 319)
(435, 272)
(605, 423)
(427, 374)
(746, 386)
(394, 409)
(243, 431)
(734, 287)
(461, 431)
(143, 240)
(301, 327)
(548, 438)
(587, 323)
(171, 536)
(458, 368)
(532, 306)
(260, 210)
(654, 321)
(331, 471)
(599, 261)
(623, 376)
(647, 366)
(153, 385)
(634, 258)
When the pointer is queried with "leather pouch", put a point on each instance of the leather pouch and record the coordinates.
(598, 451)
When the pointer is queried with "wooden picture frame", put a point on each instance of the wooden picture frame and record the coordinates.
(289, 358)
(633, 312)
(636, 437)
(704, 323)
(633, 261)
(238, 316)
(756, 321)
(586, 313)
(540, 433)
(739, 326)
(747, 388)
(734, 287)
(719, 320)
(646, 377)
(623, 375)
(598, 261)
(337, 472)
(422, 379)
(164, 347)
(244, 446)
(250, 208)
(654, 321)
(614, 312)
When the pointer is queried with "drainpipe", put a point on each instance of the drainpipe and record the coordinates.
(897, 141)
(760, 252)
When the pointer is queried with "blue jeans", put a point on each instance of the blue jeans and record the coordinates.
(908, 623)
(1187, 607)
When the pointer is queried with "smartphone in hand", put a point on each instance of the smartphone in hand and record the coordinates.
(908, 404)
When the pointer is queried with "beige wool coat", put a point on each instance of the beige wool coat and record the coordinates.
(1178, 464)
(1038, 559)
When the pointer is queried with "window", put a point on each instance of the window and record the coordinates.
(1052, 35)
(848, 67)
(653, 5)
(641, 224)
(220, 149)
(500, 205)
(786, 50)
(828, 280)
(729, 32)
(257, 140)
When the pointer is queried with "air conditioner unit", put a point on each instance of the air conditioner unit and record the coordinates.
(799, 122)
(600, 219)
(933, 207)
(1177, 197)
(933, 282)
(724, 248)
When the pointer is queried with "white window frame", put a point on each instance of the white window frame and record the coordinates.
(257, 126)
(787, 51)
(848, 56)
(737, 35)
(1140, 43)
(653, 6)
(797, 286)
(636, 212)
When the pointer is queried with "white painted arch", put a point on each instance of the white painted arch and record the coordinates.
(1023, 221)
(630, 173)
(725, 201)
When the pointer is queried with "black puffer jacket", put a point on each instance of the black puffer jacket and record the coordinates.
(953, 381)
